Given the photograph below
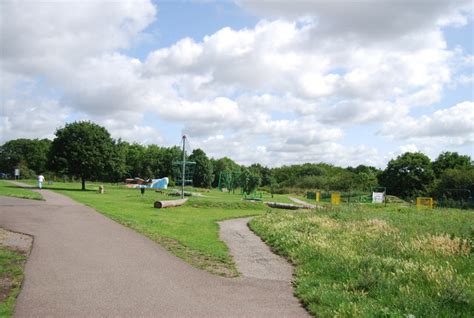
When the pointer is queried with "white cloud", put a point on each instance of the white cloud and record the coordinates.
(368, 19)
(31, 119)
(455, 123)
(46, 37)
(280, 92)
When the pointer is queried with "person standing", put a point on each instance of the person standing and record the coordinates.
(40, 181)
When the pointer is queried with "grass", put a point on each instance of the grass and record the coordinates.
(190, 231)
(11, 276)
(9, 189)
(376, 261)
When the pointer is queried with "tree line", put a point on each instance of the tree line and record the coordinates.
(86, 151)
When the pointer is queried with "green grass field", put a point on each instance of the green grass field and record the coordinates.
(360, 260)
(11, 190)
(376, 261)
(189, 231)
(11, 275)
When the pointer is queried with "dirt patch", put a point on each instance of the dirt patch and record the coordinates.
(16, 241)
(6, 283)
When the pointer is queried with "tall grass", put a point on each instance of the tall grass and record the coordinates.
(361, 261)
(11, 276)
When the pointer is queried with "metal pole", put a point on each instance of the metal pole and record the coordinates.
(184, 167)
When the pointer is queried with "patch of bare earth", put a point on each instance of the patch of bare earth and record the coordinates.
(16, 242)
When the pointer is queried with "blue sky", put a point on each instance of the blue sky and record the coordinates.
(281, 82)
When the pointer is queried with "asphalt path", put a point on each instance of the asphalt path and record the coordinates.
(83, 264)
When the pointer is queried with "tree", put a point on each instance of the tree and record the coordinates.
(84, 150)
(223, 165)
(203, 175)
(408, 175)
(27, 153)
(450, 160)
(134, 154)
(455, 183)
(365, 177)
(249, 181)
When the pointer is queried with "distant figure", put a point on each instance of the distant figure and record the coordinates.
(101, 189)
(40, 181)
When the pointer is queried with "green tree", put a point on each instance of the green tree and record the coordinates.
(365, 177)
(408, 175)
(84, 150)
(455, 183)
(450, 160)
(223, 165)
(29, 153)
(249, 181)
(134, 154)
(118, 166)
(203, 175)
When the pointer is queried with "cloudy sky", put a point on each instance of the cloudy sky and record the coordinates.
(277, 82)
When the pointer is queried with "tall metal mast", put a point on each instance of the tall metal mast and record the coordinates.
(184, 167)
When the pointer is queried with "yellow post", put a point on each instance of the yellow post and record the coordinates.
(335, 198)
(318, 196)
(424, 202)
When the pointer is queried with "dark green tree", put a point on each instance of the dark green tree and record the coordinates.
(84, 150)
(249, 181)
(203, 175)
(118, 167)
(223, 165)
(134, 154)
(364, 177)
(408, 175)
(455, 183)
(450, 160)
(27, 153)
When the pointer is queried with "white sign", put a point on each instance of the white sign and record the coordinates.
(17, 172)
(378, 197)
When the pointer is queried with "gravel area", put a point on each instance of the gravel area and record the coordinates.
(253, 257)
(16, 241)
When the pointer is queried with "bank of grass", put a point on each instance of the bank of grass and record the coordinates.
(9, 189)
(366, 261)
(190, 231)
(11, 276)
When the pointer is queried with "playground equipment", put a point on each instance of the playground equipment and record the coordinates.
(184, 170)
(424, 202)
(254, 196)
(228, 180)
(314, 196)
(150, 183)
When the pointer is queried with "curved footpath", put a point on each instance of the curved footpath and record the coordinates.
(85, 265)
(254, 259)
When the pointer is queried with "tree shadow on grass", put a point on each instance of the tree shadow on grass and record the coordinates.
(48, 188)
(70, 190)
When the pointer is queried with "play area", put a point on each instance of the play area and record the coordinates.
(334, 233)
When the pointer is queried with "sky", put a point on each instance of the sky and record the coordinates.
(278, 82)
